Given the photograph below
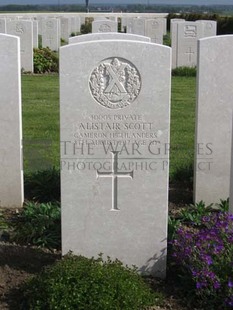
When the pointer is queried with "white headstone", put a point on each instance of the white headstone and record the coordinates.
(107, 36)
(123, 24)
(129, 25)
(154, 29)
(24, 30)
(2, 25)
(75, 25)
(35, 34)
(114, 157)
(210, 28)
(11, 170)
(188, 34)
(138, 26)
(50, 33)
(174, 38)
(65, 24)
(104, 26)
(214, 119)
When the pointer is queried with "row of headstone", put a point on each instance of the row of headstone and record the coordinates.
(114, 124)
(51, 30)
(152, 28)
(184, 37)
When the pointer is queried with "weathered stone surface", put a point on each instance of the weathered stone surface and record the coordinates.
(104, 26)
(114, 151)
(11, 170)
(214, 119)
(24, 30)
(107, 36)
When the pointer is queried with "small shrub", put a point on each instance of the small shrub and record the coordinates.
(184, 71)
(223, 205)
(38, 224)
(86, 28)
(77, 282)
(194, 213)
(45, 60)
(167, 39)
(63, 42)
(43, 186)
(74, 34)
(205, 258)
(3, 222)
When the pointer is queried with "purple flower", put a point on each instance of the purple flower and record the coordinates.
(199, 285)
(230, 282)
(207, 259)
(217, 284)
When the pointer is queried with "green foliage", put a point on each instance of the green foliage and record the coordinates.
(3, 223)
(184, 71)
(173, 225)
(45, 60)
(74, 34)
(86, 28)
(77, 282)
(224, 205)
(63, 42)
(195, 212)
(38, 224)
(167, 39)
(43, 186)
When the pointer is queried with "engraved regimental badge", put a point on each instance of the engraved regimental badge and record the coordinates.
(115, 83)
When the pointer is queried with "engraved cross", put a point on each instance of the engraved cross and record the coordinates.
(114, 174)
(114, 79)
(189, 53)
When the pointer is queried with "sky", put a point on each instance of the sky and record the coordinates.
(176, 2)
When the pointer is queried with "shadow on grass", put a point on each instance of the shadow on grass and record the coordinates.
(181, 185)
(43, 186)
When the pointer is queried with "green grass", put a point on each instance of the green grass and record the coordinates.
(40, 96)
(182, 127)
(41, 124)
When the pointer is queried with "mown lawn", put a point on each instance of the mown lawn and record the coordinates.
(41, 123)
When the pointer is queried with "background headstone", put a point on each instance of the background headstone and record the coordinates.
(210, 28)
(35, 34)
(174, 38)
(114, 158)
(2, 25)
(11, 170)
(107, 36)
(104, 26)
(188, 34)
(50, 33)
(154, 29)
(65, 24)
(214, 119)
(139, 26)
(24, 30)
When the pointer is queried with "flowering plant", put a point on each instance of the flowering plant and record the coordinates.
(205, 255)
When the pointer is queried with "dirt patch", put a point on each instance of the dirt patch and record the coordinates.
(18, 264)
